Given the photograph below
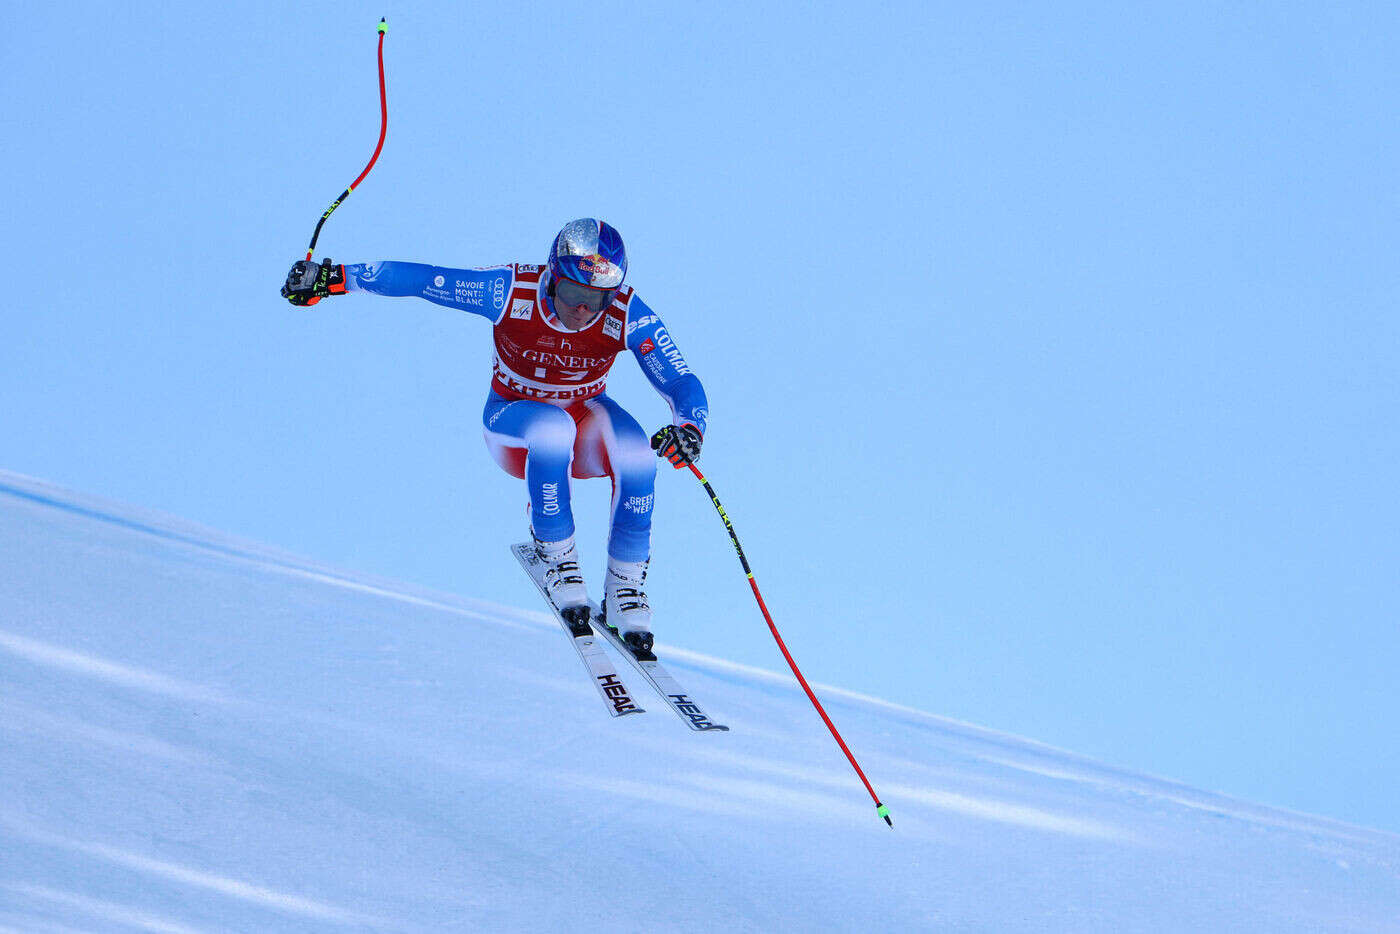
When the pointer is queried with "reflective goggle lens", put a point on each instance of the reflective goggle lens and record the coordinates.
(573, 294)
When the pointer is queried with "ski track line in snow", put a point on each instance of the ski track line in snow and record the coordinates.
(110, 912)
(166, 528)
(223, 885)
(127, 676)
(26, 718)
(975, 806)
(666, 795)
(1005, 812)
(32, 926)
(1165, 790)
(52, 656)
(718, 794)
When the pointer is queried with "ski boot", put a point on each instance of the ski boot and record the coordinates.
(625, 610)
(564, 582)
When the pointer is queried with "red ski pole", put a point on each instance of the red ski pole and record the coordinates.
(383, 127)
(880, 809)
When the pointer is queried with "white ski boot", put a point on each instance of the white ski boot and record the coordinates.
(625, 607)
(562, 577)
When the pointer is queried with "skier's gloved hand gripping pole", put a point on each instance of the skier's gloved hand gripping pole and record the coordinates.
(308, 283)
(679, 444)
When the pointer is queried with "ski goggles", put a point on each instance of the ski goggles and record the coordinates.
(573, 294)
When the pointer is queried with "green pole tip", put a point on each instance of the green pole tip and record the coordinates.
(885, 813)
(383, 26)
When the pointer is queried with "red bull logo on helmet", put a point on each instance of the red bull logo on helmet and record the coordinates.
(599, 271)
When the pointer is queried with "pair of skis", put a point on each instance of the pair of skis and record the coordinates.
(599, 665)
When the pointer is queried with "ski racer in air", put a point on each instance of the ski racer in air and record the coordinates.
(557, 330)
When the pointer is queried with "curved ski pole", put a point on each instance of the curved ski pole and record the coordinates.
(383, 128)
(880, 809)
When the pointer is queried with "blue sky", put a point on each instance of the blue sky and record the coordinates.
(1051, 350)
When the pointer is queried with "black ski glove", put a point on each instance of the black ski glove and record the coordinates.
(679, 444)
(308, 283)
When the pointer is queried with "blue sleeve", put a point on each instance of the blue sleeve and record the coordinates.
(479, 291)
(665, 368)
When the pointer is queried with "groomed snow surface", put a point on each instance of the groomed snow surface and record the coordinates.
(201, 734)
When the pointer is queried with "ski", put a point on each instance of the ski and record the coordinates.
(590, 652)
(659, 678)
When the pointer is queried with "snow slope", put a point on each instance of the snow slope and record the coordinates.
(201, 734)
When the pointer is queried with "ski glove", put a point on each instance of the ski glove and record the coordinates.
(679, 444)
(308, 283)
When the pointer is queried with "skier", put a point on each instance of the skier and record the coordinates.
(557, 330)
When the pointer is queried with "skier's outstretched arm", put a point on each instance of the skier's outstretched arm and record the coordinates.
(666, 370)
(479, 291)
